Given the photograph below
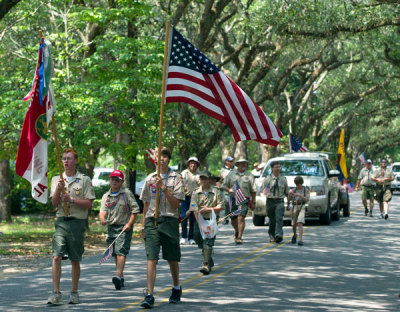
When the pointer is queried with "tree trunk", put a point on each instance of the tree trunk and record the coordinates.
(5, 189)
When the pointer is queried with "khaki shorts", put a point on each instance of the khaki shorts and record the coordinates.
(165, 235)
(123, 243)
(301, 216)
(368, 192)
(383, 193)
(68, 238)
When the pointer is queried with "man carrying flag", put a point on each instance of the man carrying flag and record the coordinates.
(241, 186)
(295, 145)
(31, 162)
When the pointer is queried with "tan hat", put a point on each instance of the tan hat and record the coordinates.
(193, 158)
(242, 160)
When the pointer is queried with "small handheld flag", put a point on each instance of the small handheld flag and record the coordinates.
(108, 253)
(239, 195)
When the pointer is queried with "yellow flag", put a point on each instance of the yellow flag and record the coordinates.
(341, 161)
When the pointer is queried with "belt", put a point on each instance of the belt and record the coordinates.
(275, 199)
(66, 218)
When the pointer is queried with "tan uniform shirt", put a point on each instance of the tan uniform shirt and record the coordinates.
(173, 182)
(378, 173)
(365, 176)
(281, 190)
(80, 186)
(245, 179)
(119, 207)
(191, 181)
(212, 198)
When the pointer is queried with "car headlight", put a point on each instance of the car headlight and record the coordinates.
(316, 190)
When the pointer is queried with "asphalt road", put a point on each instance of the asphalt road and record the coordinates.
(351, 265)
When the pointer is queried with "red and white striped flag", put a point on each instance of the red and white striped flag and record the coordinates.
(152, 154)
(192, 78)
(31, 162)
(239, 195)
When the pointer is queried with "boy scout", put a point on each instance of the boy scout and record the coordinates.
(383, 176)
(118, 210)
(247, 184)
(276, 188)
(69, 230)
(162, 230)
(368, 186)
(205, 199)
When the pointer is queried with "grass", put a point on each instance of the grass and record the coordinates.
(32, 234)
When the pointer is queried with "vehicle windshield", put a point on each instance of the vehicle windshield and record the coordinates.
(396, 168)
(302, 167)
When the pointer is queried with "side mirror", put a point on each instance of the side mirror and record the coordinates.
(333, 173)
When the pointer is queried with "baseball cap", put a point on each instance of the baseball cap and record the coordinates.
(369, 161)
(118, 174)
(229, 158)
(206, 174)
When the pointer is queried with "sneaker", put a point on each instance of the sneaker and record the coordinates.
(239, 241)
(192, 242)
(183, 241)
(386, 216)
(117, 282)
(370, 214)
(148, 302)
(381, 216)
(55, 298)
(73, 297)
(204, 269)
(366, 211)
(300, 243)
(278, 239)
(176, 295)
(294, 239)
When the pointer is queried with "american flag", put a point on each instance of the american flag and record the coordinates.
(239, 195)
(192, 78)
(151, 152)
(295, 145)
(362, 158)
(107, 254)
(236, 212)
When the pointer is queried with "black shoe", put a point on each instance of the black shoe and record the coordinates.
(386, 216)
(300, 243)
(176, 295)
(148, 302)
(366, 211)
(294, 239)
(278, 239)
(122, 282)
(117, 282)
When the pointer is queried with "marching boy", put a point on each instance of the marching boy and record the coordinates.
(299, 196)
(205, 199)
(118, 211)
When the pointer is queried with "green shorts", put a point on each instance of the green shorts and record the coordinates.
(123, 244)
(165, 235)
(68, 238)
(245, 208)
(383, 193)
(368, 192)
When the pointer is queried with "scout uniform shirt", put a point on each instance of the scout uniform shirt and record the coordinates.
(378, 173)
(173, 182)
(212, 198)
(365, 176)
(119, 207)
(79, 186)
(245, 179)
(191, 181)
(275, 187)
(299, 203)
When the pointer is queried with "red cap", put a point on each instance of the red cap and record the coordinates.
(118, 174)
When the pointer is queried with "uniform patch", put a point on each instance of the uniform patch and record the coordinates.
(153, 188)
(76, 192)
(246, 178)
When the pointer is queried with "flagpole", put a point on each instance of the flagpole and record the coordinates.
(56, 143)
(161, 117)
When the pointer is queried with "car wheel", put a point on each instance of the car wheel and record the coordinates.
(258, 220)
(346, 208)
(325, 218)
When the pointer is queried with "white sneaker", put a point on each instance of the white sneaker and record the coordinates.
(183, 241)
(192, 242)
(55, 298)
(74, 297)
